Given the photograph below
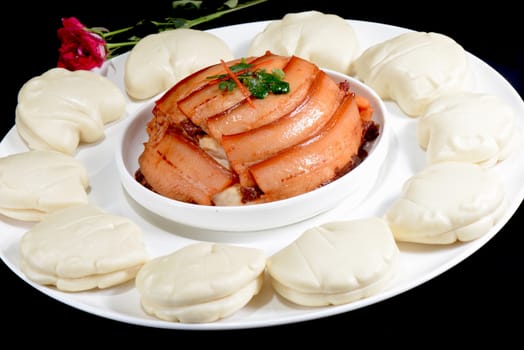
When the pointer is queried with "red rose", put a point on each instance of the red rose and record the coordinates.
(80, 48)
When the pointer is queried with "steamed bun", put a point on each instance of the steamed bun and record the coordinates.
(415, 68)
(82, 247)
(324, 39)
(160, 60)
(336, 263)
(36, 183)
(446, 202)
(59, 109)
(201, 282)
(468, 127)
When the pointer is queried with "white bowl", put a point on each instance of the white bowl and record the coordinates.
(253, 217)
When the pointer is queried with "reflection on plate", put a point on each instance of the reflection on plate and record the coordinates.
(417, 263)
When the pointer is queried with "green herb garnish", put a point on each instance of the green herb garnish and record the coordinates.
(259, 82)
(262, 83)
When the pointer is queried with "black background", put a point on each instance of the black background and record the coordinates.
(476, 301)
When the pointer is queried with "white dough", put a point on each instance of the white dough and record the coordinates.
(335, 263)
(160, 60)
(208, 311)
(446, 202)
(35, 183)
(324, 39)
(59, 109)
(101, 281)
(468, 127)
(414, 69)
(82, 247)
(201, 282)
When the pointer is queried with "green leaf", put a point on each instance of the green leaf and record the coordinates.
(227, 85)
(240, 66)
(257, 88)
(186, 4)
(210, 17)
(279, 87)
(231, 3)
(170, 23)
(278, 73)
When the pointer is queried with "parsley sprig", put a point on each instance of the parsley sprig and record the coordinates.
(259, 82)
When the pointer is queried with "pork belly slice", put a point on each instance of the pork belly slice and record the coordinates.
(167, 105)
(210, 100)
(314, 162)
(177, 168)
(300, 74)
(247, 148)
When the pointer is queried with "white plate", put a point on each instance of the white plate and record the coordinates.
(418, 263)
